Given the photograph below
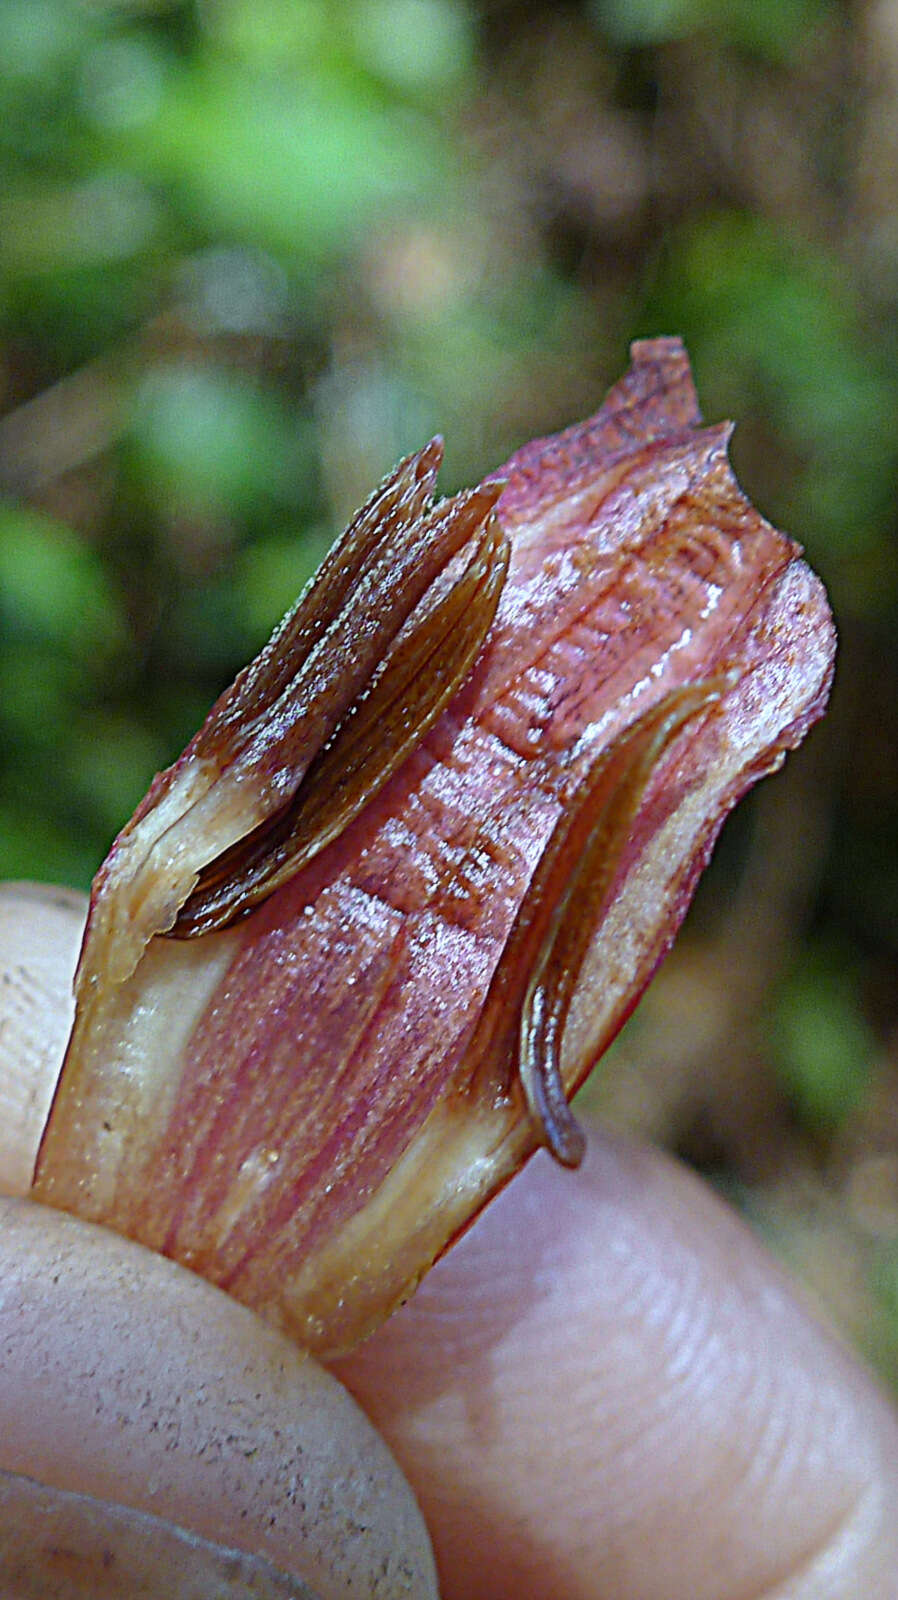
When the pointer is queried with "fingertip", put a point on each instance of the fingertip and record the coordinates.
(607, 1388)
(40, 934)
(127, 1379)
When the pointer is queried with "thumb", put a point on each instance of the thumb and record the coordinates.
(40, 932)
(607, 1389)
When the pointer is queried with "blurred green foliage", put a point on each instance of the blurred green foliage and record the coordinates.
(820, 1044)
(253, 250)
(775, 30)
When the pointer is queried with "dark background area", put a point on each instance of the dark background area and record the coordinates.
(251, 251)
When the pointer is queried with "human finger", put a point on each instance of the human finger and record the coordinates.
(607, 1389)
(129, 1386)
(40, 931)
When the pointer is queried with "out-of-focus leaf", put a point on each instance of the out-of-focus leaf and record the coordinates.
(204, 439)
(38, 685)
(301, 162)
(271, 32)
(53, 587)
(821, 1043)
(122, 80)
(40, 39)
(416, 44)
(234, 290)
(108, 217)
(770, 27)
(108, 762)
(772, 317)
(33, 846)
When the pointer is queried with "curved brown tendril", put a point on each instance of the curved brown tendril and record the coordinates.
(539, 1054)
(430, 649)
(533, 985)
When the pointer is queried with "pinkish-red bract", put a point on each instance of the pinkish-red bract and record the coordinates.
(307, 1105)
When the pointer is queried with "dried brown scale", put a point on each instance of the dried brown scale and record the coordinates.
(242, 770)
(419, 676)
(286, 732)
(307, 1106)
(397, 504)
